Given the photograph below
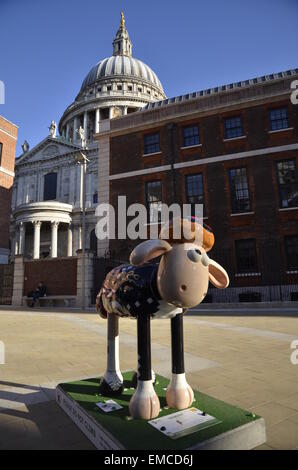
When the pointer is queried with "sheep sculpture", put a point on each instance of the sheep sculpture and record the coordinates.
(145, 290)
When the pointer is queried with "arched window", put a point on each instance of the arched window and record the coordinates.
(50, 187)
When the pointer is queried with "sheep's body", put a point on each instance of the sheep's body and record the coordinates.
(129, 291)
(145, 290)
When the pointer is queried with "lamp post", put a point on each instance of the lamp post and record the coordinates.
(82, 160)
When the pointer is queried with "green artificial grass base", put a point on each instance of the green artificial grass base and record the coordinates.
(139, 434)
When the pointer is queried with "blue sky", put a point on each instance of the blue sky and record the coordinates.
(47, 47)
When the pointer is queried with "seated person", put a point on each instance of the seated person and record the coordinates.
(41, 291)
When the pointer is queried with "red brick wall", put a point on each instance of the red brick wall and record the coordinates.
(8, 135)
(268, 225)
(59, 275)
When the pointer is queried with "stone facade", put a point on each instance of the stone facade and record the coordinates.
(47, 222)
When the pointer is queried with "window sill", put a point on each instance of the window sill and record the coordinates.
(283, 209)
(190, 146)
(235, 138)
(281, 130)
(241, 213)
(150, 154)
(247, 274)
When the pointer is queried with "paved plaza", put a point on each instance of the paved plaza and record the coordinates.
(244, 360)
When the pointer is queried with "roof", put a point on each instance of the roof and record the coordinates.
(222, 88)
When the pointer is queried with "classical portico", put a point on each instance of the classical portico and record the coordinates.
(50, 215)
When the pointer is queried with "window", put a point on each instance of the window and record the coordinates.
(95, 198)
(246, 256)
(278, 119)
(233, 127)
(109, 87)
(140, 89)
(50, 187)
(119, 87)
(291, 246)
(129, 88)
(288, 183)
(240, 199)
(1, 147)
(151, 143)
(191, 136)
(154, 201)
(194, 191)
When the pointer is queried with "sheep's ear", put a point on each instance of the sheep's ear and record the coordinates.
(148, 250)
(218, 275)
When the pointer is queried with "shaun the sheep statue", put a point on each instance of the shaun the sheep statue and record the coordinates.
(164, 289)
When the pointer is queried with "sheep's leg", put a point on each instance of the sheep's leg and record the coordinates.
(179, 394)
(134, 379)
(145, 403)
(112, 381)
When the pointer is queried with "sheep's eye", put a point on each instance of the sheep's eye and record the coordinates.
(194, 255)
(198, 251)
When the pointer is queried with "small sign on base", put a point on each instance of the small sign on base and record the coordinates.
(208, 424)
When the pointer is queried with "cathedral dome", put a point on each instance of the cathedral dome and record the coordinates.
(120, 66)
(115, 86)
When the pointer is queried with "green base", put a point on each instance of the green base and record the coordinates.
(79, 400)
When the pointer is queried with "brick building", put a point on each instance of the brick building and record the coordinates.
(8, 141)
(233, 148)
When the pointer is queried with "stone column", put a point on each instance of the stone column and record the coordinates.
(97, 118)
(22, 238)
(85, 124)
(124, 110)
(75, 127)
(36, 246)
(111, 112)
(54, 242)
(17, 240)
(69, 240)
(18, 281)
(67, 131)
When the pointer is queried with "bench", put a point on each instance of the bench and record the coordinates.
(52, 301)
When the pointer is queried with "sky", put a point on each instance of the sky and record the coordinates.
(48, 47)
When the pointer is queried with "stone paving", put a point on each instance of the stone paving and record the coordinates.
(244, 360)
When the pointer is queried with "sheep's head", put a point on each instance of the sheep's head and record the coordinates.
(185, 269)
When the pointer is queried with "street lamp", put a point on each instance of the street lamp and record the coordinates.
(82, 160)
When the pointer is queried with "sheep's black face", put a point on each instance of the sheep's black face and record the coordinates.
(183, 275)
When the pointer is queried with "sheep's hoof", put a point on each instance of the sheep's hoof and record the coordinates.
(179, 393)
(109, 389)
(144, 404)
(134, 380)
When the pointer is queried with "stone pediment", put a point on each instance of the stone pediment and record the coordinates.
(46, 149)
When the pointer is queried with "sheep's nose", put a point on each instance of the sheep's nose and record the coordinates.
(183, 287)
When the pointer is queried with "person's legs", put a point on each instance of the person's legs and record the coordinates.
(35, 296)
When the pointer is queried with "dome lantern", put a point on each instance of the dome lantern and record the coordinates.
(122, 44)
